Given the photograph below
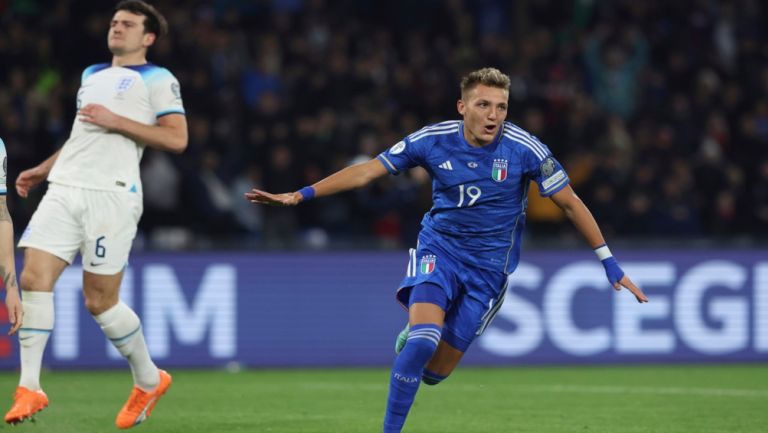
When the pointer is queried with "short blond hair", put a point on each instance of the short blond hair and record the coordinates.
(490, 77)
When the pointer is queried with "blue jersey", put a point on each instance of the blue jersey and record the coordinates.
(479, 194)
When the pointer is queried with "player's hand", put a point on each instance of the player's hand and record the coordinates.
(28, 179)
(629, 285)
(619, 279)
(99, 115)
(15, 311)
(263, 197)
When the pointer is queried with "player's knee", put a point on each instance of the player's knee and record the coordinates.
(33, 281)
(97, 305)
(431, 378)
(97, 302)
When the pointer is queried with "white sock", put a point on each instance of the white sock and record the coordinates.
(123, 328)
(36, 327)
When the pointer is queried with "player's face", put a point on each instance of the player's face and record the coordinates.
(484, 109)
(126, 34)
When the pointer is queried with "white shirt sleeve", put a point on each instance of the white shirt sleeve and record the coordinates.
(165, 94)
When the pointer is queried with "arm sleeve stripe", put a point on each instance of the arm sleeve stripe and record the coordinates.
(167, 112)
(391, 167)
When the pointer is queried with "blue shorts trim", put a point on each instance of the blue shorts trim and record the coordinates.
(429, 293)
(458, 343)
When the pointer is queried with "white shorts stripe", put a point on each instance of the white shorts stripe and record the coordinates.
(491, 313)
(412, 263)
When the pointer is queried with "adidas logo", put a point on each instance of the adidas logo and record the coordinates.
(446, 165)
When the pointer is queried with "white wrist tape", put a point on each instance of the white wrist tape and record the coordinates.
(603, 252)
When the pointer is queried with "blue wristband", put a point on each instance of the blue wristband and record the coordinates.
(612, 270)
(307, 193)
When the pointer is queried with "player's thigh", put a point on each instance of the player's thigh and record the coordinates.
(475, 308)
(56, 229)
(422, 312)
(445, 359)
(110, 223)
(41, 270)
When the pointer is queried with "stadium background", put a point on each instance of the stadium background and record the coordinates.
(657, 109)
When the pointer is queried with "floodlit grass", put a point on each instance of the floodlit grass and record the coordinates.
(634, 399)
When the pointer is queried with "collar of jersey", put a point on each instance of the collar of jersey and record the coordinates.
(139, 68)
(488, 148)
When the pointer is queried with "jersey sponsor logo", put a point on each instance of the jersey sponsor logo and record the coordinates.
(499, 172)
(472, 164)
(446, 166)
(547, 167)
(397, 148)
(428, 264)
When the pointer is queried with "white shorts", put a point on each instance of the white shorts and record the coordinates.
(100, 225)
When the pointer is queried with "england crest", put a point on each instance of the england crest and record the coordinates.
(428, 264)
(124, 83)
(499, 173)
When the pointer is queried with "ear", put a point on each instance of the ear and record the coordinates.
(461, 107)
(149, 39)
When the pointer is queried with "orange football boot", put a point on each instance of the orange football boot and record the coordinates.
(26, 403)
(140, 403)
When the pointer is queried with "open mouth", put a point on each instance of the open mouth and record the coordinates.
(489, 129)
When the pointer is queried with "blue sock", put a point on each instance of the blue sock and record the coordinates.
(406, 374)
(431, 378)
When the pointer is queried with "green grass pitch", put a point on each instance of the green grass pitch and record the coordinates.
(629, 399)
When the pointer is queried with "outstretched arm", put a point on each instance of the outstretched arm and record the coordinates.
(585, 223)
(170, 133)
(351, 177)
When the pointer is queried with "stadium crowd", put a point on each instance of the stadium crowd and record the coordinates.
(657, 109)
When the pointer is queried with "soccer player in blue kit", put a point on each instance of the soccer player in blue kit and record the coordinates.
(469, 243)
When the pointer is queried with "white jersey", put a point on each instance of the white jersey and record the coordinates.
(94, 158)
(4, 172)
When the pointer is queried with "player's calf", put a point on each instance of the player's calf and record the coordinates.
(406, 374)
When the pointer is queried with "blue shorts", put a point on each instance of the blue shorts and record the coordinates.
(471, 296)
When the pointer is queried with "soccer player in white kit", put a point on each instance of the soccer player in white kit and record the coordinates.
(93, 205)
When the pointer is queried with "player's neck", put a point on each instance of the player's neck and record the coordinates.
(473, 141)
(131, 59)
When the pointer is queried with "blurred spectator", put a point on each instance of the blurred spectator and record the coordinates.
(658, 110)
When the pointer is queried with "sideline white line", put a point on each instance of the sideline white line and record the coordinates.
(607, 389)
(574, 389)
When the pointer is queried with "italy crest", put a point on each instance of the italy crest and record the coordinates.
(428, 264)
(499, 173)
